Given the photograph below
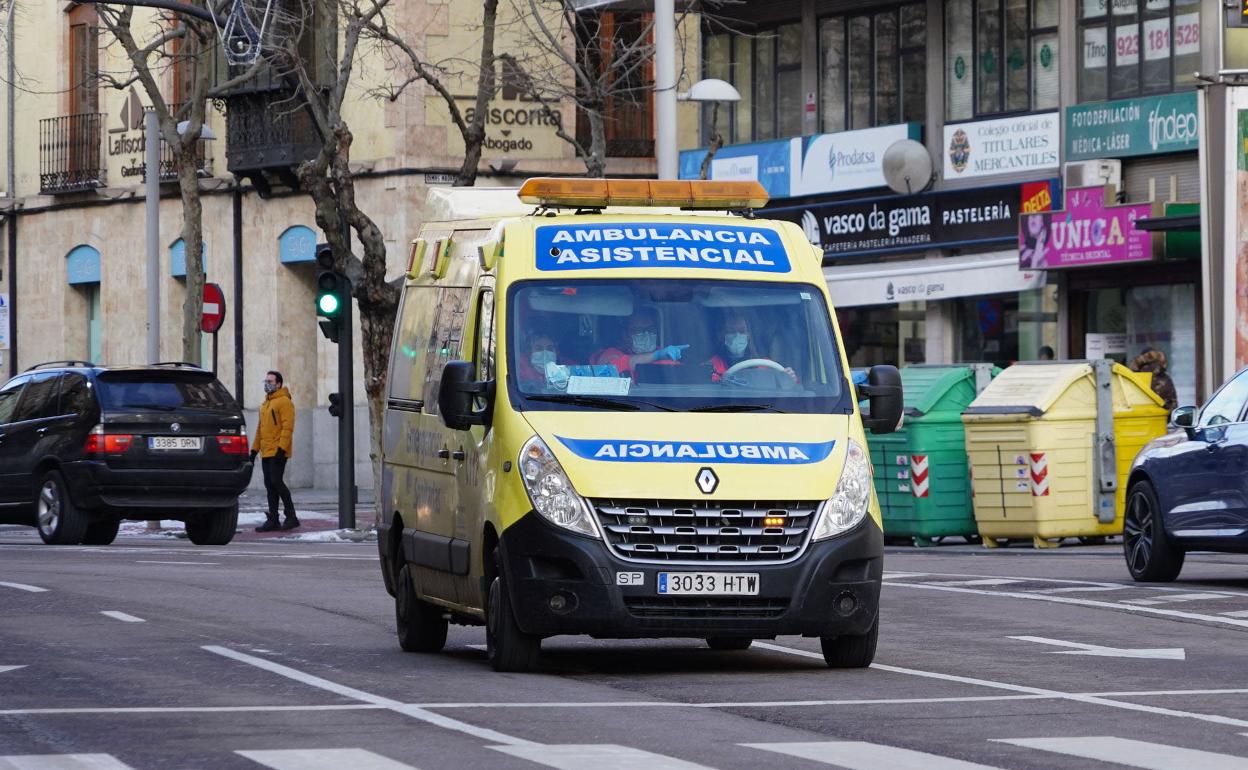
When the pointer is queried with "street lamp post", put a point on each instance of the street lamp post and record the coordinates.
(665, 88)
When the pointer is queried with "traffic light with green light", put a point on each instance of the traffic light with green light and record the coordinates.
(332, 292)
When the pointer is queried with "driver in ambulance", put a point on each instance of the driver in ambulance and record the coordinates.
(641, 345)
(736, 345)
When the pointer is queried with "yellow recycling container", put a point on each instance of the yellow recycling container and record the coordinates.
(1050, 445)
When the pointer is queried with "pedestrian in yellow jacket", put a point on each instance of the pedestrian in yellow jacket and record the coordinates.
(274, 434)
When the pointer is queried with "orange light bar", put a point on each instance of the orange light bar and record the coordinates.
(601, 193)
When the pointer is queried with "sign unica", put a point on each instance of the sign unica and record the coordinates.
(1149, 126)
(1088, 232)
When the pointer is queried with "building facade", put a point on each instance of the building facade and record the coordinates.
(1084, 108)
(73, 276)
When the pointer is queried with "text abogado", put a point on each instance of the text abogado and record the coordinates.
(637, 451)
(723, 247)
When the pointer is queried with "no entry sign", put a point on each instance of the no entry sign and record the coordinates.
(214, 308)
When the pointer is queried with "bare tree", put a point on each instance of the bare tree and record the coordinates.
(598, 60)
(182, 46)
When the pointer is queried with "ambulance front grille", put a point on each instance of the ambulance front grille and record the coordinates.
(706, 531)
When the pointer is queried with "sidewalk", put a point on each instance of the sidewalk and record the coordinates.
(317, 510)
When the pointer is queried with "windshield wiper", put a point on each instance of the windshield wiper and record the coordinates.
(737, 408)
(598, 402)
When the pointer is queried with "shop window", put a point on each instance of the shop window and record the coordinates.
(1001, 56)
(890, 334)
(871, 68)
(1006, 328)
(765, 66)
(1137, 47)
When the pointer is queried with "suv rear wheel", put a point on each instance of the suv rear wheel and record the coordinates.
(101, 532)
(213, 527)
(60, 522)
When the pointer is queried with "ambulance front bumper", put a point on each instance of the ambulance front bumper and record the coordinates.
(563, 583)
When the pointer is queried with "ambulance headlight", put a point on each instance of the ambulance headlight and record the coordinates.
(550, 490)
(842, 512)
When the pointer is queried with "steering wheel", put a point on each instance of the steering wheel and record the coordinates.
(750, 363)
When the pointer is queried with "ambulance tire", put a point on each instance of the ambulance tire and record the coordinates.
(851, 651)
(729, 643)
(508, 648)
(213, 527)
(420, 625)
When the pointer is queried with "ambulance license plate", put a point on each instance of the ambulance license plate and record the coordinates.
(713, 583)
(175, 443)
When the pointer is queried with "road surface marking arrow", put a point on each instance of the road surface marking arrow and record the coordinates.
(1158, 653)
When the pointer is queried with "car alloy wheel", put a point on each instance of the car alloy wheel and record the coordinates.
(1137, 531)
(49, 508)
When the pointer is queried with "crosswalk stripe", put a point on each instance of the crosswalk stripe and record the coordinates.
(323, 759)
(62, 762)
(978, 582)
(602, 756)
(1175, 598)
(1139, 754)
(860, 755)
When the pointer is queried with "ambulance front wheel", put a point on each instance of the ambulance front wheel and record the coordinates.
(507, 647)
(851, 650)
(420, 625)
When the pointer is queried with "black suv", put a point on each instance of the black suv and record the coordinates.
(84, 446)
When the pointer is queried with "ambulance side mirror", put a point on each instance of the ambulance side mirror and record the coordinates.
(456, 394)
(883, 390)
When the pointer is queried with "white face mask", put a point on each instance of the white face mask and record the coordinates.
(270, 387)
(736, 342)
(645, 342)
(539, 359)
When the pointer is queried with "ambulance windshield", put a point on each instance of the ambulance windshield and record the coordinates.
(673, 345)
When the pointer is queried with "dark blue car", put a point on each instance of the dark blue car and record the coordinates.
(1188, 491)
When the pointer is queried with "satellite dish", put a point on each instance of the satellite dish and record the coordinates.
(908, 167)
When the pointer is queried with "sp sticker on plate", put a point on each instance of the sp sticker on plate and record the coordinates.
(630, 578)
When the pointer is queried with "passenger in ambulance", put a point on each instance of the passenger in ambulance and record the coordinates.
(736, 344)
(540, 350)
(640, 345)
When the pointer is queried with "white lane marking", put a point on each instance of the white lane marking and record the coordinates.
(1158, 653)
(180, 563)
(62, 762)
(33, 590)
(122, 616)
(480, 647)
(1096, 603)
(602, 756)
(1175, 598)
(415, 712)
(187, 709)
(323, 759)
(1078, 589)
(1124, 751)
(3, 669)
(979, 582)
(895, 575)
(860, 755)
(1073, 696)
(1235, 614)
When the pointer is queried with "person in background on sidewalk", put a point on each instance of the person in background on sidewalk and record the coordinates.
(274, 434)
(1046, 353)
(1152, 360)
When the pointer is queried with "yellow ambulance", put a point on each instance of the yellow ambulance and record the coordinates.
(621, 408)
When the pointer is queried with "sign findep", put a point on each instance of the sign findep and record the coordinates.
(1003, 146)
(1131, 127)
(1089, 231)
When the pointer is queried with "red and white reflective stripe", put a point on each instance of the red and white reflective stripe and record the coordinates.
(918, 475)
(1039, 474)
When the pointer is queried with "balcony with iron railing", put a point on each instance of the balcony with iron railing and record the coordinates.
(71, 153)
(269, 133)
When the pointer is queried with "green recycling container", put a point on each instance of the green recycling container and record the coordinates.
(921, 472)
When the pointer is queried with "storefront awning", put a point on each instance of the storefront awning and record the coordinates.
(929, 279)
(1174, 223)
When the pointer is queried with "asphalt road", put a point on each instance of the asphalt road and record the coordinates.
(160, 655)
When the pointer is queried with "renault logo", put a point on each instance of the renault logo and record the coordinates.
(176, 427)
(707, 481)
